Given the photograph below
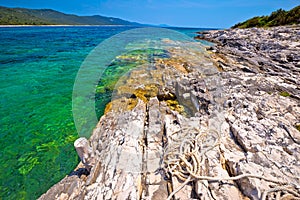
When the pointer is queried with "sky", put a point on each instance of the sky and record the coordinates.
(181, 13)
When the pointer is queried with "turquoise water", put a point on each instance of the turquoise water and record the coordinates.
(38, 66)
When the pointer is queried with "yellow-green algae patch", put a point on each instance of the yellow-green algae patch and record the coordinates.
(174, 105)
(284, 94)
(117, 71)
(297, 126)
(121, 105)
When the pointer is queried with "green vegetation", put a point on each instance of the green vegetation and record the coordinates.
(297, 126)
(22, 16)
(118, 68)
(9, 16)
(277, 18)
(284, 94)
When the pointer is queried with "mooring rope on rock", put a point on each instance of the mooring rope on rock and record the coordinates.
(184, 159)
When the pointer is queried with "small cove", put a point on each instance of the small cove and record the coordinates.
(38, 68)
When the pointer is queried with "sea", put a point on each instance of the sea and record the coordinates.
(38, 67)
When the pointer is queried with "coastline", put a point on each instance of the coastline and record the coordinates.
(66, 25)
(260, 94)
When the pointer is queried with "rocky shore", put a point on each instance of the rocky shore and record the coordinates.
(215, 123)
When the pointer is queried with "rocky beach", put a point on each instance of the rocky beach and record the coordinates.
(215, 122)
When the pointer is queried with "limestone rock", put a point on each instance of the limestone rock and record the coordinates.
(236, 138)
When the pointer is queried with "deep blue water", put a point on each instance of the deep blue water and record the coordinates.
(38, 66)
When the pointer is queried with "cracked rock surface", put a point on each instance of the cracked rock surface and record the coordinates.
(198, 125)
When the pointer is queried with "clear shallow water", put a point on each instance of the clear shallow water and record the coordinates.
(38, 66)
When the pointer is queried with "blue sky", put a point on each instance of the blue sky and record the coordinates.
(184, 13)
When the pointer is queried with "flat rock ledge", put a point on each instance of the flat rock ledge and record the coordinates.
(221, 124)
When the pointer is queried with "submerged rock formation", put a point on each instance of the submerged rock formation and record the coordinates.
(198, 125)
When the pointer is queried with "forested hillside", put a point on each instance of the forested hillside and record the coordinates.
(22, 16)
(277, 18)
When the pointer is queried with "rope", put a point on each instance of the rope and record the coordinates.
(184, 158)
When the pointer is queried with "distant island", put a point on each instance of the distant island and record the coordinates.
(23, 16)
(277, 18)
